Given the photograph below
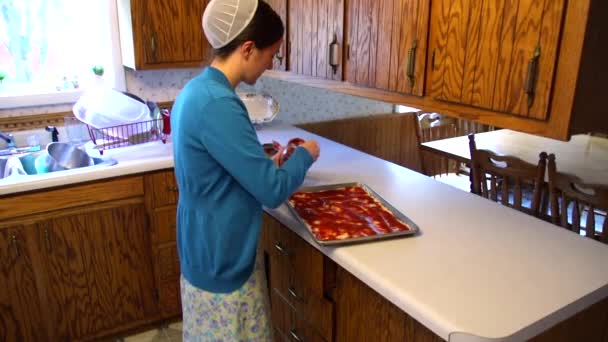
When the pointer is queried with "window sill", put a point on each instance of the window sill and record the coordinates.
(59, 97)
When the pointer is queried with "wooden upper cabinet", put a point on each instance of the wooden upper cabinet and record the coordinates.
(158, 34)
(495, 54)
(316, 38)
(280, 59)
(386, 44)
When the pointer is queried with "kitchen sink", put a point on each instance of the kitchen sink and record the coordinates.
(39, 163)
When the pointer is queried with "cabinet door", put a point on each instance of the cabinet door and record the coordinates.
(315, 26)
(387, 42)
(98, 270)
(172, 32)
(497, 55)
(20, 309)
(280, 60)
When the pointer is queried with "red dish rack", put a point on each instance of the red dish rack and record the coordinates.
(131, 134)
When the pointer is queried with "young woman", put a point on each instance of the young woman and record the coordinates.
(225, 178)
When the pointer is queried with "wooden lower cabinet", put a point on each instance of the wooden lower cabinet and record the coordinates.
(97, 269)
(87, 270)
(21, 318)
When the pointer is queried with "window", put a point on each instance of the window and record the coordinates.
(48, 49)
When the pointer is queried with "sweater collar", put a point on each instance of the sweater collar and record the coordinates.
(217, 76)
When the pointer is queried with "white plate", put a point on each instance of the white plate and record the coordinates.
(262, 107)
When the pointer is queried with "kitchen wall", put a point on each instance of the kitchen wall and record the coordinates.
(298, 103)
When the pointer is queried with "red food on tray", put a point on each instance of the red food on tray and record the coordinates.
(344, 213)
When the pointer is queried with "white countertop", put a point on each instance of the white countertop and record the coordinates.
(477, 272)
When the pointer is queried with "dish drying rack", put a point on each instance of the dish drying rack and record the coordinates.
(131, 134)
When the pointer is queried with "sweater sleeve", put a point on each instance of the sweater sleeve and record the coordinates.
(231, 140)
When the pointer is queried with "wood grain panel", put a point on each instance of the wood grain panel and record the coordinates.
(353, 39)
(374, 18)
(438, 53)
(67, 286)
(165, 226)
(456, 48)
(98, 270)
(13, 206)
(553, 13)
(293, 43)
(414, 20)
(322, 30)
(280, 6)
(185, 26)
(307, 37)
(391, 137)
(364, 315)
(396, 30)
(21, 317)
(362, 48)
(381, 66)
(480, 70)
(290, 325)
(510, 96)
(588, 325)
(336, 27)
(161, 188)
(315, 7)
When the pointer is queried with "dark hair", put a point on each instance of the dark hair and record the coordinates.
(265, 29)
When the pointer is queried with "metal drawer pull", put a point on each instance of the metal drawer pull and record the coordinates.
(530, 83)
(295, 336)
(411, 64)
(334, 54)
(172, 189)
(15, 245)
(293, 293)
(280, 248)
(47, 240)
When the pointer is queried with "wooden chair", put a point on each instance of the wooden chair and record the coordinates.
(507, 179)
(586, 200)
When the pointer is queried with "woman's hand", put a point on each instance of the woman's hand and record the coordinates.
(313, 148)
(276, 158)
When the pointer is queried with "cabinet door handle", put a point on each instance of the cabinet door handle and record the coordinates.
(294, 335)
(334, 54)
(172, 189)
(411, 63)
(280, 248)
(433, 60)
(153, 43)
(530, 85)
(47, 241)
(15, 244)
(293, 293)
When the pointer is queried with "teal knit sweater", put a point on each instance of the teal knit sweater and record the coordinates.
(224, 179)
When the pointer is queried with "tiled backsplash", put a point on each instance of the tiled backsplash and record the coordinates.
(298, 103)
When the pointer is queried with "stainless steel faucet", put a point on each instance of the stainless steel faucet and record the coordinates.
(10, 141)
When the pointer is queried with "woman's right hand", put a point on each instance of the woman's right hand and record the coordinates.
(313, 149)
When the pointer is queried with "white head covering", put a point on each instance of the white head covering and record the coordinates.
(224, 20)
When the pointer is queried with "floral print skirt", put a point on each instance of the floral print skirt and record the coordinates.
(242, 315)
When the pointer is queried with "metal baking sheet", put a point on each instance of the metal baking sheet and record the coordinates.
(413, 226)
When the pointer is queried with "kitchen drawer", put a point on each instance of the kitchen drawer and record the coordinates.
(295, 257)
(168, 263)
(163, 188)
(165, 224)
(290, 325)
(316, 310)
(169, 298)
